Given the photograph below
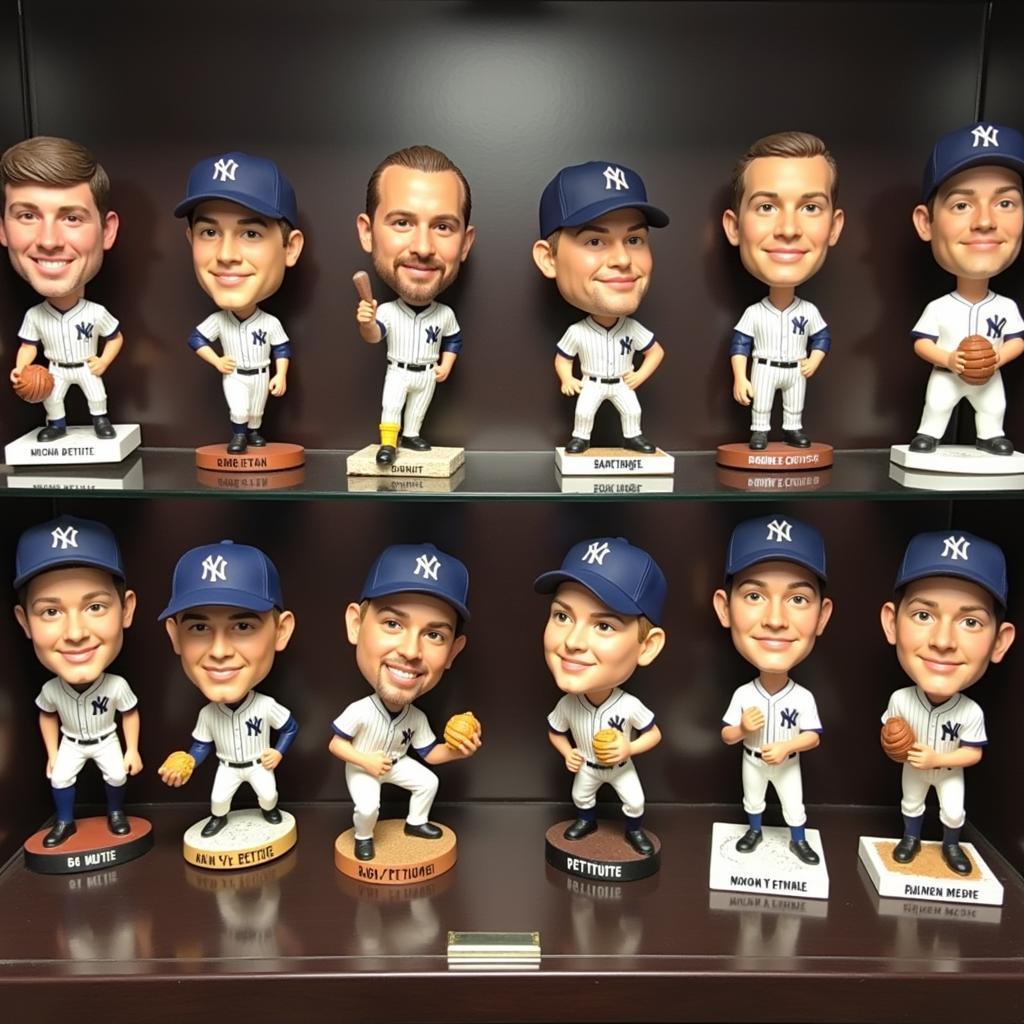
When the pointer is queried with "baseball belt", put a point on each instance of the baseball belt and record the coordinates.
(775, 362)
(239, 764)
(70, 366)
(251, 373)
(605, 380)
(760, 756)
(90, 743)
(415, 367)
(605, 767)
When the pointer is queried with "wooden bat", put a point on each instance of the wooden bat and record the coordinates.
(361, 279)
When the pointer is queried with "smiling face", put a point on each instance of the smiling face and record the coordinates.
(404, 643)
(945, 634)
(56, 237)
(239, 256)
(226, 651)
(75, 621)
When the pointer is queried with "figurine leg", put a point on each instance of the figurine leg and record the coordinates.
(421, 782)
(259, 389)
(388, 444)
(789, 785)
(239, 442)
(116, 820)
(954, 857)
(764, 382)
(64, 826)
(587, 403)
(794, 393)
(53, 404)
(53, 431)
(264, 785)
(95, 392)
(800, 847)
(236, 393)
(584, 795)
(944, 390)
(417, 402)
(989, 401)
(628, 406)
(910, 845)
(225, 785)
(364, 790)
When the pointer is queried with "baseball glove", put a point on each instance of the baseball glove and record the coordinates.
(180, 763)
(897, 738)
(35, 383)
(604, 741)
(981, 359)
(460, 727)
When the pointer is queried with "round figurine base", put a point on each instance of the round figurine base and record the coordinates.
(398, 859)
(268, 459)
(603, 855)
(776, 458)
(247, 840)
(92, 847)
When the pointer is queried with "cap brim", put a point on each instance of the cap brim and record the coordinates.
(184, 208)
(387, 591)
(925, 572)
(606, 592)
(984, 158)
(225, 598)
(90, 563)
(656, 218)
(773, 555)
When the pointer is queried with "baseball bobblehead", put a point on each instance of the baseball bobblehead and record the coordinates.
(406, 628)
(604, 623)
(74, 607)
(242, 228)
(783, 220)
(226, 621)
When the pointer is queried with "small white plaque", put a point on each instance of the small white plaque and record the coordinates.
(79, 446)
(771, 868)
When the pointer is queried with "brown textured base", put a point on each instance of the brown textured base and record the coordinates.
(92, 847)
(777, 457)
(398, 859)
(603, 854)
(928, 862)
(268, 459)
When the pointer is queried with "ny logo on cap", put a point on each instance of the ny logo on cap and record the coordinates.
(215, 568)
(615, 177)
(66, 538)
(597, 552)
(780, 532)
(427, 567)
(225, 170)
(955, 548)
(985, 136)
(84, 331)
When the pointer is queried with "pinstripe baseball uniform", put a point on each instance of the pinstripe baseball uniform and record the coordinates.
(959, 722)
(574, 714)
(240, 736)
(370, 727)
(606, 353)
(68, 340)
(415, 337)
(87, 715)
(787, 713)
(253, 343)
(775, 340)
(947, 321)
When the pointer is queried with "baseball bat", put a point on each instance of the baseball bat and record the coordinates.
(361, 279)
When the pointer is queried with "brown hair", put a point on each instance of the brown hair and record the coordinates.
(417, 158)
(56, 163)
(786, 144)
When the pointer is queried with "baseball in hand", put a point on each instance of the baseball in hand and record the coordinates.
(980, 359)
(35, 384)
(460, 727)
(897, 738)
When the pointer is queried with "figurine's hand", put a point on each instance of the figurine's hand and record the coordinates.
(132, 762)
(278, 385)
(922, 756)
(751, 720)
(632, 380)
(574, 760)
(225, 364)
(97, 366)
(808, 367)
(441, 372)
(957, 361)
(572, 386)
(177, 768)
(15, 375)
(774, 753)
(366, 312)
(270, 759)
(614, 750)
(377, 764)
(743, 391)
(466, 746)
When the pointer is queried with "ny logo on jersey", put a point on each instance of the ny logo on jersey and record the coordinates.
(254, 726)
(788, 717)
(617, 722)
(433, 335)
(224, 170)
(99, 705)
(955, 548)
(995, 325)
(985, 136)
(259, 337)
(215, 569)
(951, 731)
(84, 331)
(615, 177)
(66, 538)
(406, 737)
(780, 532)
(799, 325)
(625, 345)
(427, 567)
(597, 552)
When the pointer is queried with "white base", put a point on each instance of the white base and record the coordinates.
(921, 481)
(614, 485)
(957, 458)
(438, 462)
(946, 888)
(79, 447)
(770, 869)
(614, 462)
(125, 477)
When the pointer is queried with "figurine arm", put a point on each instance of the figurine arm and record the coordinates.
(130, 727)
(742, 389)
(751, 720)
(202, 348)
(652, 357)
(285, 736)
(49, 726)
(98, 365)
(810, 364)
(573, 758)
(375, 763)
(563, 367)
(1010, 350)
(279, 382)
(443, 368)
(370, 329)
(776, 753)
(25, 355)
(647, 740)
(922, 756)
(442, 753)
(931, 353)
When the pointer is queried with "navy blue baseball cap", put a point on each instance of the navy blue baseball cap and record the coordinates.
(775, 538)
(623, 577)
(582, 193)
(976, 145)
(226, 573)
(251, 181)
(419, 569)
(66, 541)
(945, 553)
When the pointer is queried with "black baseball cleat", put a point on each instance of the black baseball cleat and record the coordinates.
(995, 445)
(273, 815)
(118, 823)
(749, 841)
(923, 443)
(364, 849)
(255, 439)
(639, 443)
(103, 427)
(386, 454)
(237, 444)
(214, 825)
(579, 828)
(637, 838)
(804, 851)
(955, 858)
(796, 439)
(61, 830)
(424, 831)
(51, 433)
(577, 445)
(906, 849)
(415, 444)
(758, 440)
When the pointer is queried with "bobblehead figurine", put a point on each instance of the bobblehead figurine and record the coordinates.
(774, 606)
(971, 213)
(947, 623)
(226, 620)
(74, 607)
(407, 629)
(417, 231)
(243, 231)
(606, 610)
(595, 224)
(784, 220)
(56, 226)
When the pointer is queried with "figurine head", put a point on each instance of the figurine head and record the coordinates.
(72, 601)
(57, 221)
(947, 619)
(416, 224)
(226, 618)
(784, 217)
(406, 626)
(606, 609)
(242, 219)
(594, 226)
(773, 600)
(971, 208)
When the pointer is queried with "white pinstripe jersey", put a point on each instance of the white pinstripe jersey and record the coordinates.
(241, 734)
(249, 341)
(416, 336)
(87, 714)
(780, 334)
(575, 714)
(943, 728)
(370, 727)
(950, 319)
(69, 337)
(787, 713)
(605, 351)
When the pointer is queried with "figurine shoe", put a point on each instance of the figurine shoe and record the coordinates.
(273, 816)
(103, 428)
(415, 444)
(214, 825)
(796, 439)
(749, 841)
(923, 443)
(906, 849)
(51, 433)
(804, 851)
(995, 445)
(237, 444)
(758, 440)
(364, 849)
(955, 858)
(61, 830)
(579, 828)
(424, 831)
(577, 445)
(639, 443)
(255, 439)
(637, 838)
(386, 455)
(118, 823)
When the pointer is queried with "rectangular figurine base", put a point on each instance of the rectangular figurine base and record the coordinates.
(438, 462)
(927, 877)
(770, 868)
(919, 480)
(614, 462)
(79, 446)
(957, 459)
